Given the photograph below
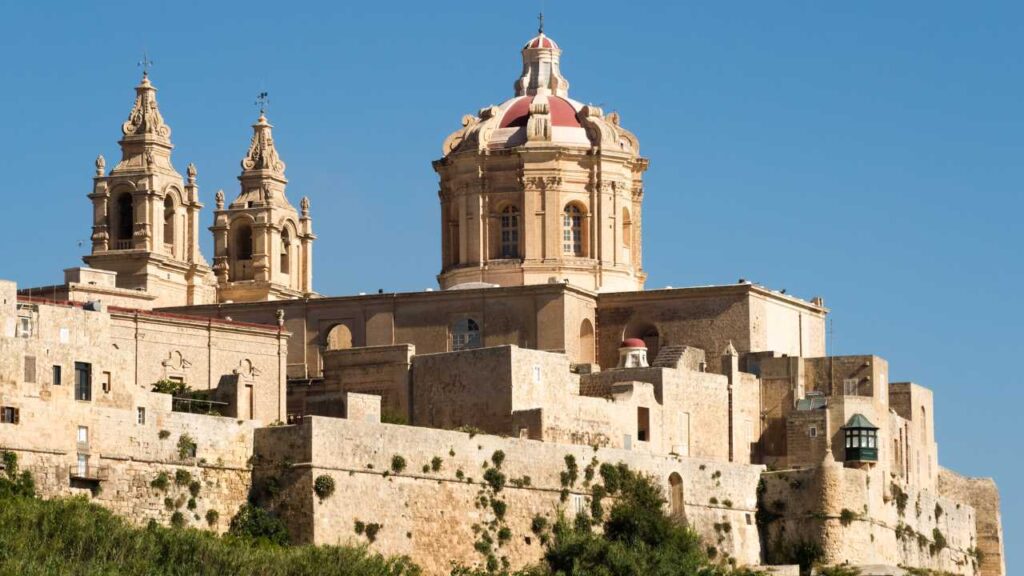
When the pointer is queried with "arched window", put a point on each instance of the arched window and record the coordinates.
(286, 247)
(125, 222)
(453, 236)
(627, 236)
(572, 231)
(510, 232)
(465, 334)
(586, 342)
(339, 338)
(241, 252)
(169, 224)
(678, 505)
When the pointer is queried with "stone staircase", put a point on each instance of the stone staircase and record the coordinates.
(669, 357)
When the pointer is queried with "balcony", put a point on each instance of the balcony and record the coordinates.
(198, 406)
(122, 244)
(89, 473)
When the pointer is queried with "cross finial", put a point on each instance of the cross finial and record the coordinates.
(540, 22)
(262, 101)
(145, 63)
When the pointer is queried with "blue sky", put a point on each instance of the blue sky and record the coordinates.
(866, 152)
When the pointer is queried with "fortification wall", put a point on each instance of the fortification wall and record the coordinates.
(849, 515)
(123, 458)
(436, 514)
(983, 495)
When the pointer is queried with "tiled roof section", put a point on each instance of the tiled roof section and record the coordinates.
(541, 41)
(562, 112)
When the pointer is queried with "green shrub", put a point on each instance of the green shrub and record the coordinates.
(847, 516)
(161, 482)
(499, 507)
(323, 486)
(73, 536)
(495, 479)
(435, 463)
(164, 434)
(194, 487)
(397, 464)
(182, 477)
(212, 516)
(186, 447)
(178, 520)
(259, 525)
(498, 458)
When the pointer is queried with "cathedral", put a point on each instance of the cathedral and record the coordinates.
(541, 343)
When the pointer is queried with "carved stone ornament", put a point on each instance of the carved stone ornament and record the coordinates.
(191, 171)
(219, 198)
(304, 205)
(145, 116)
(541, 182)
(262, 155)
(101, 165)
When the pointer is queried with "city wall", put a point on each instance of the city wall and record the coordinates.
(440, 513)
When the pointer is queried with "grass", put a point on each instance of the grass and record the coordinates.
(74, 537)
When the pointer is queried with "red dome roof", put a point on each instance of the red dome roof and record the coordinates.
(633, 343)
(541, 41)
(562, 112)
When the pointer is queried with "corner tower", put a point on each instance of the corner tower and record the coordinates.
(146, 217)
(263, 246)
(541, 189)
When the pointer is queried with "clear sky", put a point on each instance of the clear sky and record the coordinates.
(867, 152)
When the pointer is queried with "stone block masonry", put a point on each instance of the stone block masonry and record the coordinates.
(431, 494)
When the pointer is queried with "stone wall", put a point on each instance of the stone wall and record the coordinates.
(430, 513)
(983, 496)
(863, 517)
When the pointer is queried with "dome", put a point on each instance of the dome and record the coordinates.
(517, 111)
(633, 343)
(540, 41)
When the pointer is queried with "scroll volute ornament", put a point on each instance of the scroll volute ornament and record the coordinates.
(145, 116)
(538, 127)
(262, 155)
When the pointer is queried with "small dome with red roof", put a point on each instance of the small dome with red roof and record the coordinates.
(563, 113)
(540, 41)
(633, 343)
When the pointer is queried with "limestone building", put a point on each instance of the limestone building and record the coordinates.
(541, 346)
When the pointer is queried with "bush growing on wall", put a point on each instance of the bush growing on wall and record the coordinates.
(259, 525)
(397, 464)
(323, 486)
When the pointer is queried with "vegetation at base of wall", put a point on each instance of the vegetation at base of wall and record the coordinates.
(323, 486)
(806, 554)
(73, 536)
(912, 571)
(368, 529)
(259, 526)
(635, 538)
(212, 516)
(13, 483)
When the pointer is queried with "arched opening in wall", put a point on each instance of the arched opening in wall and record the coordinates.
(676, 502)
(125, 221)
(452, 237)
(465, 334)
(627, 236)
(339, 338)
(169, 225)
(286, 248)
(572, 231)
(510, 232)
(648, 333)
(241, 261)
(586, 342)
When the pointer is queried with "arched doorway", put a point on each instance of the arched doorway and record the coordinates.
(648, 333)
(586, 342)
(675, 498)
(339, 338)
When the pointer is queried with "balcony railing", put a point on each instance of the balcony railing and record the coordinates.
(198, 406)
(90, 473)
(122, 244)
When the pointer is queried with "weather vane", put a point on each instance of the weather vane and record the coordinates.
(540, 22)
(145, 63)
(262, 101)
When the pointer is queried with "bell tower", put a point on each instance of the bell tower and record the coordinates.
(263, 246)
(146, 216)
